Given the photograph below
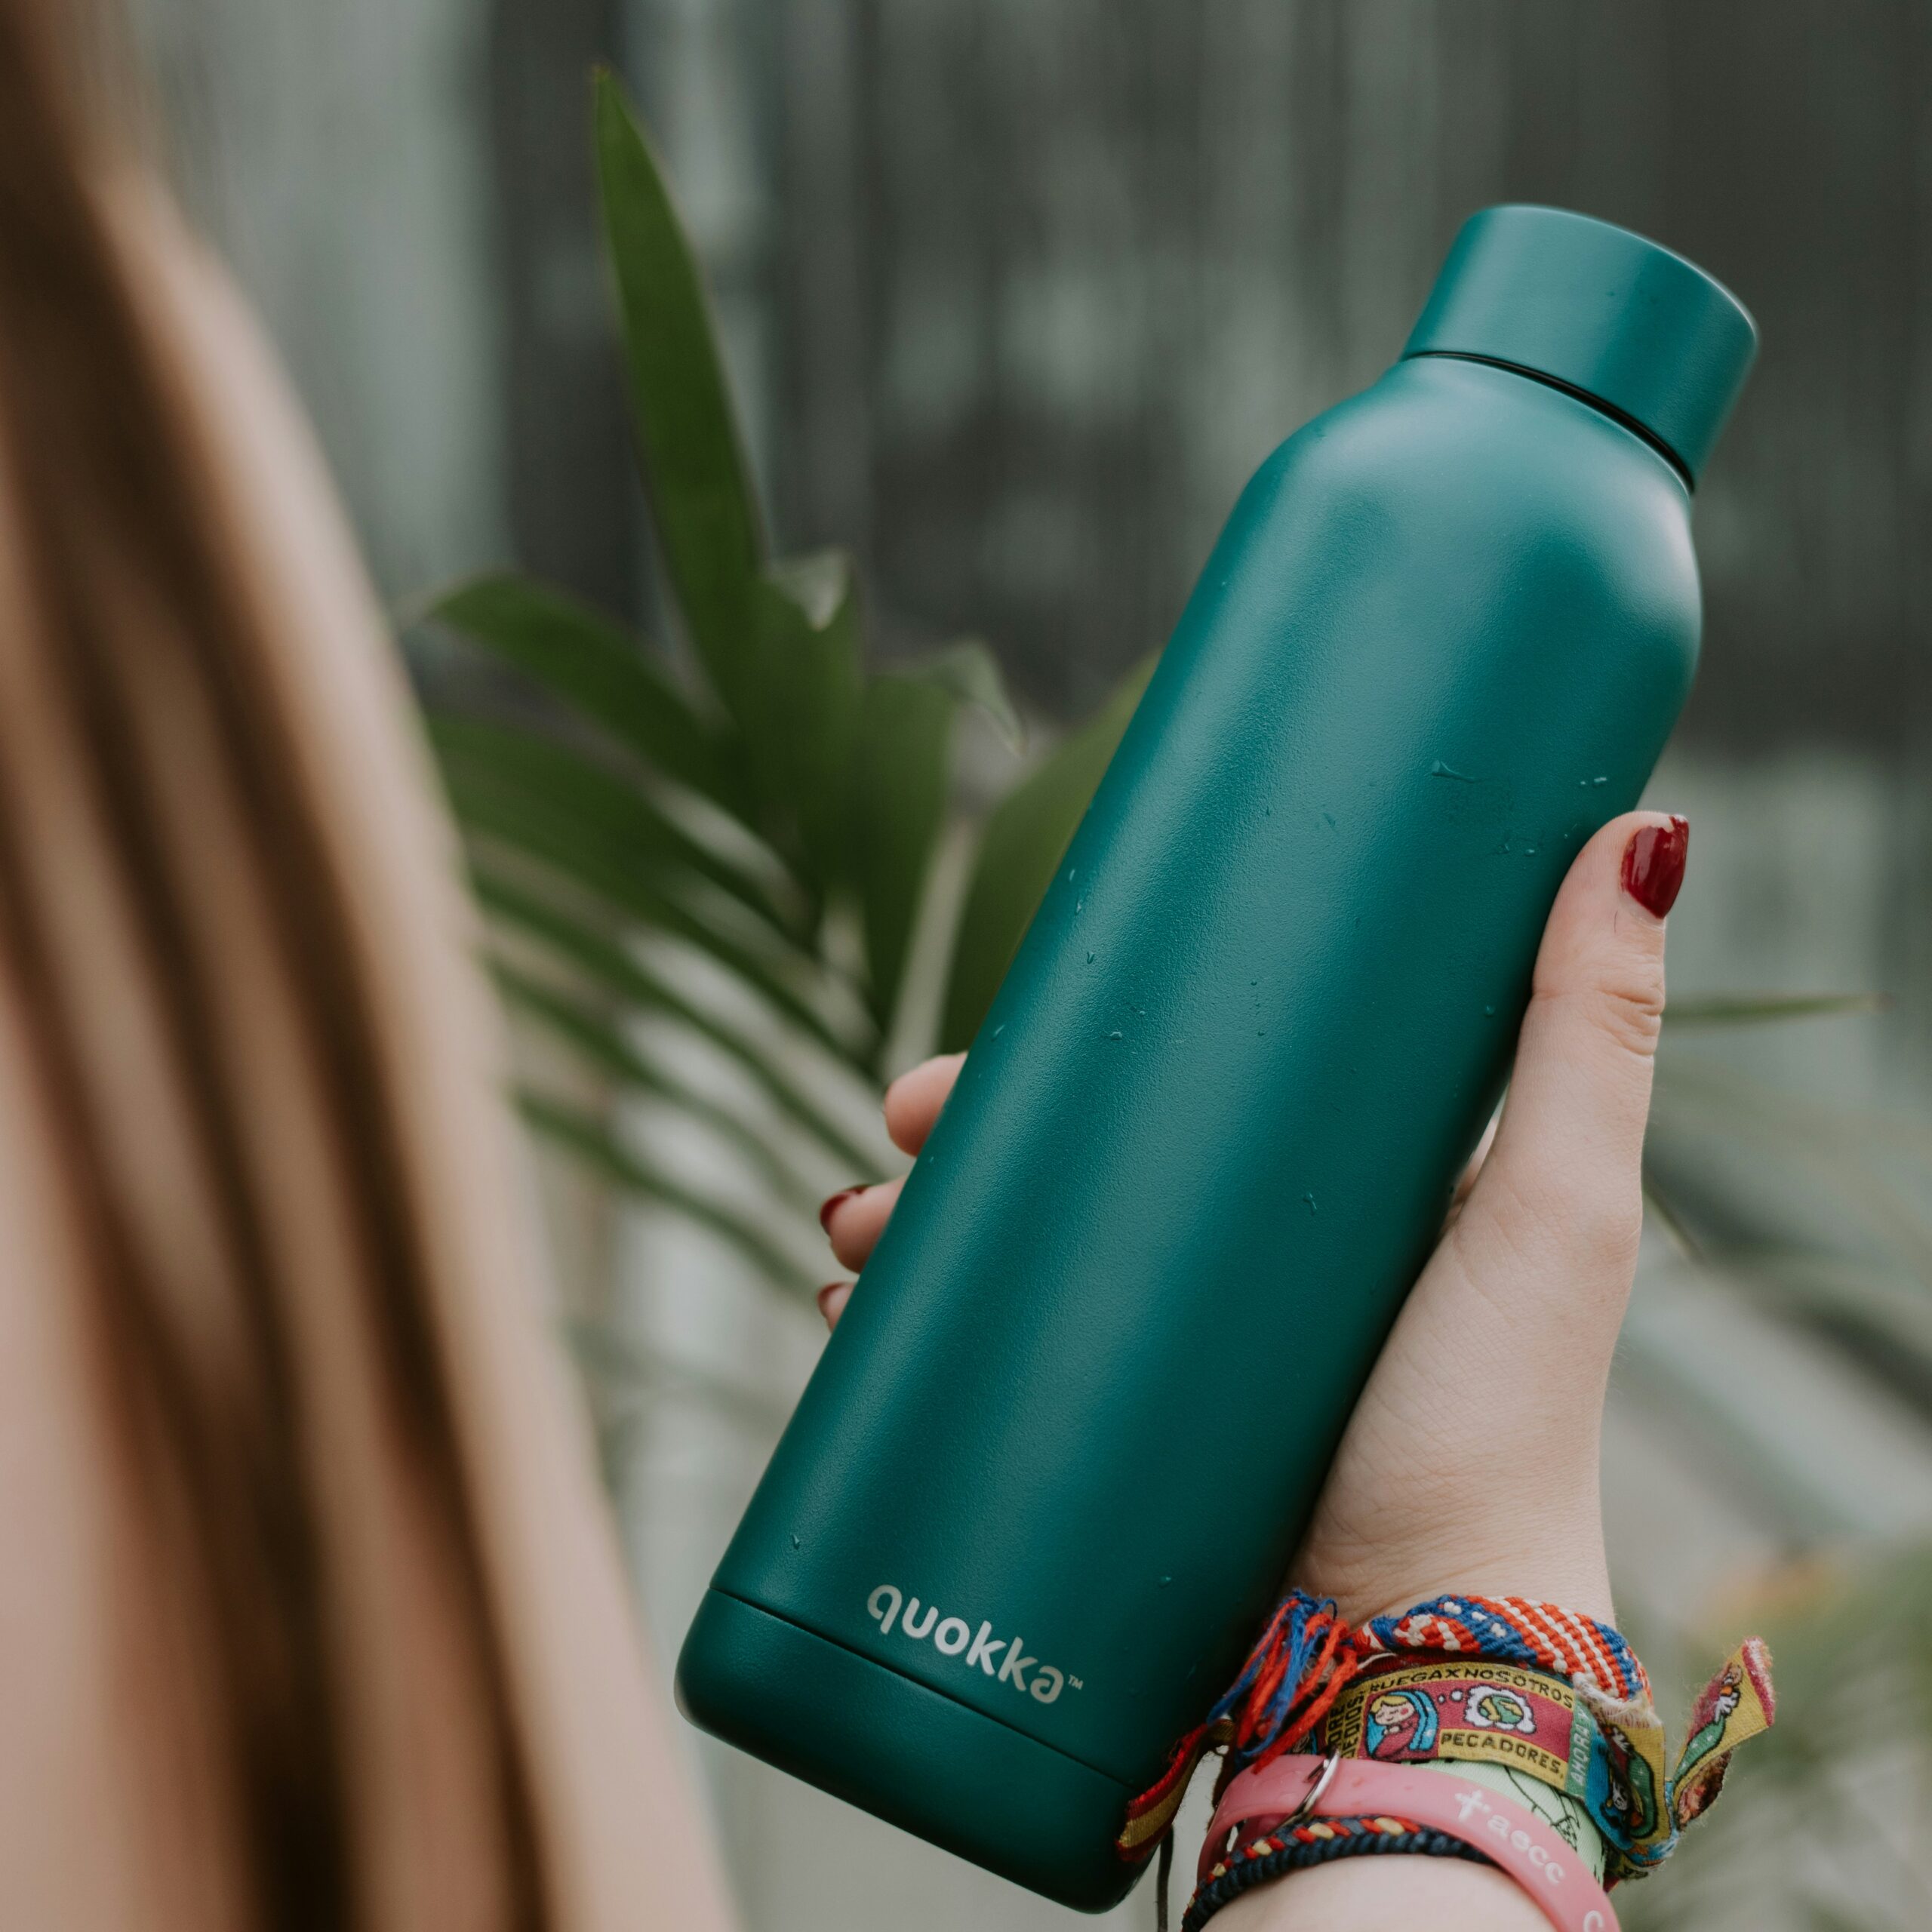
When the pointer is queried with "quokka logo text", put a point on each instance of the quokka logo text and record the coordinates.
(954, 1637)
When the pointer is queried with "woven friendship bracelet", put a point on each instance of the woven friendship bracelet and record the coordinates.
(1271, 1854)
(1558, 1697)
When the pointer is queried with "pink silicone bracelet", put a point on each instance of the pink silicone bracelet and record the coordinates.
(1512, 1838)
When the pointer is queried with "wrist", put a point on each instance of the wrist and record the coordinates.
(1576, 1575)
(1372, 1894)
(1563, 1561)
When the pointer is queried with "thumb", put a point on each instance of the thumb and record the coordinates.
(1472, 1459)
(1562, 1189)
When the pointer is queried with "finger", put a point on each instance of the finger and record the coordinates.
(832, 1300)
(913, 1100)
(855, 1220)
(1562, 1189)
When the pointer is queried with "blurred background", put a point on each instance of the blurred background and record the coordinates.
(1014, 295)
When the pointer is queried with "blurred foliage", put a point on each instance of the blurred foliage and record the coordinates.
(777, 807)
(1819, 1215)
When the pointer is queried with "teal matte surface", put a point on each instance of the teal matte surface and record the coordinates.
(1074, 1419)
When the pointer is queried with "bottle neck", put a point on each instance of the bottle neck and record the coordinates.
(1617, 416)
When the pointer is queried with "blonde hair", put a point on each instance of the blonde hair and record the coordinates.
(348, 1557)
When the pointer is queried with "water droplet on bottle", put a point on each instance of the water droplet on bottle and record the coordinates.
(999, 1029)
(1311, 1207)
(1090, 959)
(1530, 851)
(1116, 1034)
(1439, 770)
(796, 1544)
(1599, 781)
(1165, 1581)
(1490, 1011)
(1329, 817)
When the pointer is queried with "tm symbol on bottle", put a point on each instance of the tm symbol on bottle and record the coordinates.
(1074, 1684)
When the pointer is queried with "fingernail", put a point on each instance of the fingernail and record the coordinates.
(1654, 864)
(832, 1300)
(830, 1206)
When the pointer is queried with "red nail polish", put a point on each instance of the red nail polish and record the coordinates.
(1654, 864)
(829, 1207)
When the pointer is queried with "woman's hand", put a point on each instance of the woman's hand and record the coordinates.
(1470, 1463)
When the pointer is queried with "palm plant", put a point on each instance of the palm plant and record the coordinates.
(775, 809)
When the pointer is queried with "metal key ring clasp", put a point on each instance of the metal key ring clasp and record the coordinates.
(1325, 1773)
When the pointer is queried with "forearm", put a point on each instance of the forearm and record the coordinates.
(1385, 1895)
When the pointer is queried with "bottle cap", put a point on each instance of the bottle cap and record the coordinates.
(1599, 309)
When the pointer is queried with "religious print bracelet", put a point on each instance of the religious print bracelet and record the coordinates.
(1548, 1694)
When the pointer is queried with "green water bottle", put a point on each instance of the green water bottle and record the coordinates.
(1042, 1487)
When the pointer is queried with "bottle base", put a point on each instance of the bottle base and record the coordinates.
(906, 1753)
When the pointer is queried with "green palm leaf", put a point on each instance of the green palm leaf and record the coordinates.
(810, 689)
(608, 964)
(900, 772)
(1854, 1155)
(608, 809)
(605, 677)
(590, 1034)
(590, 1140)
(1762, 1009)
(971, 673)
(609, 872)
(707, 517)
